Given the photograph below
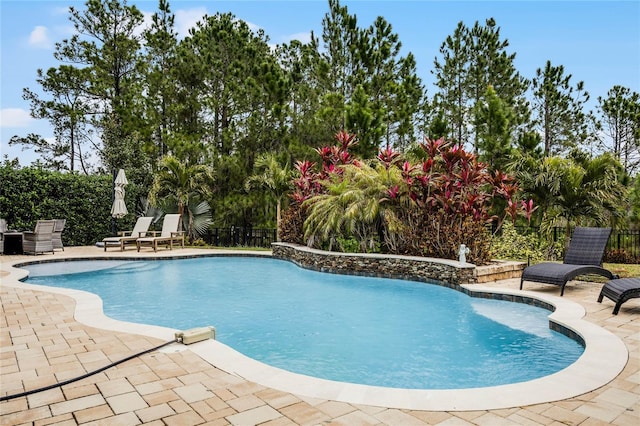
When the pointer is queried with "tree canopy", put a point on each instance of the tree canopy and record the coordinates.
(223, 97)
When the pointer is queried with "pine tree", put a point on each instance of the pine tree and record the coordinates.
(300, 63)
(558, 107)
(472, 60)
(493, 120)
(620, 112)
(67, 110)
(161, 41)
(232, 90)
(491, 65)
(362, 68)
(451, 76)
(107, 45)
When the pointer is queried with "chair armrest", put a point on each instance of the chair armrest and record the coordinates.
(29, 236)
(123, 233)
(177, 233)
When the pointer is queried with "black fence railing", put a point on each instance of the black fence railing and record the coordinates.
(240, 237)
(623, 245)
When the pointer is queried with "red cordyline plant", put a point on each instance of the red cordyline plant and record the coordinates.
(453, 180)
(308, 183)
(389, 158)
(528, 208)
(452, 195)
(337, 155)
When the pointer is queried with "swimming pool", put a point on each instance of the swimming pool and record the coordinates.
(370, 331)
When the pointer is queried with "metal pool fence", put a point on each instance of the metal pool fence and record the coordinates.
(623, 245)
(240, 237)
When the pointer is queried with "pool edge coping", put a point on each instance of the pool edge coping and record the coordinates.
(589, 372)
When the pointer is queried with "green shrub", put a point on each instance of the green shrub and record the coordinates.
(352, 245)
(199, 242)
(32, 193)
(510, 245)
(348, 244)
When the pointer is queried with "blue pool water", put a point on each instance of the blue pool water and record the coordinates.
(373, 331)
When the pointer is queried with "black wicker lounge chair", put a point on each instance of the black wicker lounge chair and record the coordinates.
(584, 256)
(620, 291)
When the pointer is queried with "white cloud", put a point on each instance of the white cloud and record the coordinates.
(60, 11)
(187, 18)
(39, 38)
(253, 27)
(302, 37)
(14, 117)
(147, 22)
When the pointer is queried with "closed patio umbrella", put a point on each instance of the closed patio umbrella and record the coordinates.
(119, 208)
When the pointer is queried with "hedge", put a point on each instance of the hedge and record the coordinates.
(31, 193)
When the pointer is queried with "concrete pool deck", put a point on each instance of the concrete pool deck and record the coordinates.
(42, 343)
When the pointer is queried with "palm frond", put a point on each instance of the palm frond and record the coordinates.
(200, 215)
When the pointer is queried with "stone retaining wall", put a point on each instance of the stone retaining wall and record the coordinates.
(499, 270)
(441, 271)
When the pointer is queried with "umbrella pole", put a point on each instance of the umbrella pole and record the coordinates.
(113, 197)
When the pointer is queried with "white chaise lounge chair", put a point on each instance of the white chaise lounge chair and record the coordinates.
(170, 233)
(140, 229)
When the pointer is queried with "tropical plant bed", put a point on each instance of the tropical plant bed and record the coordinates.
(429, 203)
(450, 272)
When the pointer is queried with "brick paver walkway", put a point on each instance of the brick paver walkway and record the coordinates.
(42, 344)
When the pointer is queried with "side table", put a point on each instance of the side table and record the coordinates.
(13, 242)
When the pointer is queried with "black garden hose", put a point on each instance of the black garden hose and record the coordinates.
(91, 373)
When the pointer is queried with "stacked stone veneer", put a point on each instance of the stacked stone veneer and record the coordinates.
(440, 271)
(499, 270)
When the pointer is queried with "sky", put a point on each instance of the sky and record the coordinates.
(597, 42)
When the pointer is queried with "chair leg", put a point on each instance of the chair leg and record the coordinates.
(521, 282)
(616, 308)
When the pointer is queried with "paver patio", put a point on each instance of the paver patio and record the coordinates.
(41, 344)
